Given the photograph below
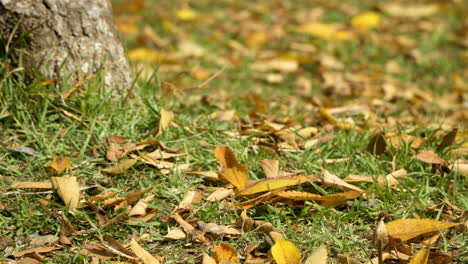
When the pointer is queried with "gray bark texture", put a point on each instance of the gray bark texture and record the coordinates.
(68, 37)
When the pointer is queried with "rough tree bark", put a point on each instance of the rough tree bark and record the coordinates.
(67, 37)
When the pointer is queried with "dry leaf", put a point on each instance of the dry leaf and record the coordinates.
(35, 251)
(377, 144)
(187, 14)
(209, 174)
(32, 185)
(121, 167)
(175, 234)
(381, 236)
(410, 11)
(140, 207)
(270, 167)
(448, 139)
(208, 260)
(234, 172)
(166, 118)
(220, 194)
(329, 199)
(276, 183)
(334, 181)
(342, 259)
(460, 167)
(191, 198)
(59, 164)
(141, 253)
(225, 252)
(68, 189)
(421, 257)
(285, 252)
(406, 229)
(98, 250)
(326, 31)
(318, 256)
(430, 157)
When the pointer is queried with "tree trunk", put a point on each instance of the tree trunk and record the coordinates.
(67, 37)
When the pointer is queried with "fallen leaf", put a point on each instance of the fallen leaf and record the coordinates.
(32, 185)
(406, 229)
(114, 246)
(381, 236)
(234, 172)
(334, 181)
(141, 253)
(59, 164)
(225, 252)
(326, 31)
(448, 139)
(366, 21)
(318, 256)
(145, 55)
(421, 257)
(43, 240)
(68, 189)
(220, 194)
(35, 251)
(175, 234)
(377, 144)
(430, 157)
(121, 167)
(209, 174)
(256, 40)
(187, 14)
(276, 183)
(166, 118)
(342, 259)
(139, 208)
(285, 252)
(413, 11)
(331, 198)
(208, 260)
(191, 198)
(270, 167)
(97, 250)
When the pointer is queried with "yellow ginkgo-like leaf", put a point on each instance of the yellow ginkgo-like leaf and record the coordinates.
(421, 257)
(235, 173)
(285, 252)
(145, 55)
(275, 183)
(406, 229)
(187, 14)
(366, 21)
(318, 256)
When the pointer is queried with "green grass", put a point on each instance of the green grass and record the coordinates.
(30, 115)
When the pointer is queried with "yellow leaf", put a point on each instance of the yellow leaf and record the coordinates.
(166, 118)
(421, 257)
(319, 256)
(406, 229)
(187, 14)
(410, 11)
(141, 253)
(255, 40)
(366, 21)
(59, 164)
(225, 252)
(285, 252)
(326, 31)
(145, 55)
(236, 173)
(33, 185)
(68, 189)
(275, 183)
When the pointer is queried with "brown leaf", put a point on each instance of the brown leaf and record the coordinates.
(32, 185)
(329, 199)
(142, 254)
(97, 250)
(59, 164)
(36, 251)
(225, 252)
(121, 167)
(175, 234)
(68, 189)
(448, 139)
(377, 145)
(334, 181)
(220, 194)
(191, 198)
(117, 248)
(139, 208)
(270, 167)
(318, 256)
(421, 257)
(406, 229)
(235, 172)
(209, 174)
(430, 157)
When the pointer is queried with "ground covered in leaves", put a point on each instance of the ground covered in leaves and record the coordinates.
(257, 132)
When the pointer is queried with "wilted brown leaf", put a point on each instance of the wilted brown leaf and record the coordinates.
(142, 254)
(234, 172)
(121, 167)
(276, 183)
(175, 234)
(334, 181)
(430, 157)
